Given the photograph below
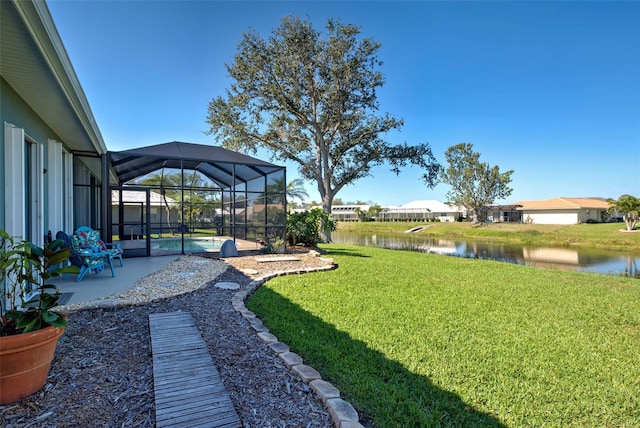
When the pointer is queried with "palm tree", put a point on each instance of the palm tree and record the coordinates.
(296, 190)
(629, 207)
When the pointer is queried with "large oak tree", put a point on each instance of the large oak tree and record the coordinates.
(310, 98)
(474, 184)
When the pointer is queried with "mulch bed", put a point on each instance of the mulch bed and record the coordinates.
(102, 371)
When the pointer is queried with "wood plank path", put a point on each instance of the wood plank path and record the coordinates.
(188, 389)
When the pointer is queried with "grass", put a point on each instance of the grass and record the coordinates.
(416, 339)
(603, 235)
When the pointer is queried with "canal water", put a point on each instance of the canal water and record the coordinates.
(582, 259)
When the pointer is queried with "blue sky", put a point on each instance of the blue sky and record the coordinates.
(548, 89)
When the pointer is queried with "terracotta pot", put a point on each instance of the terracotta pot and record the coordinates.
(25, 360)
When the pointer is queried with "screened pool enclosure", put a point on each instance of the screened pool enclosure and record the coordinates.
(182, 197)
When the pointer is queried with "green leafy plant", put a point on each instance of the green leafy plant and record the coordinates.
(26, 297)
(272, 244)
(304, 228)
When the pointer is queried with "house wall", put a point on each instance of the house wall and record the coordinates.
(52, 208)
(567, 216)
(550, 216)
(14, 111)
(446, 217)
(586, 214)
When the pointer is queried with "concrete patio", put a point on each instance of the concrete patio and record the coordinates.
(94, 286)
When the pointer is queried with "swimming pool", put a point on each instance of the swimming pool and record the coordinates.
(190, 244)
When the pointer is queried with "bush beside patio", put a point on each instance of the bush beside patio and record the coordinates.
(416, 339)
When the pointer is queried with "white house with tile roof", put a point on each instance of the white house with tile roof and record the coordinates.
(563, 210)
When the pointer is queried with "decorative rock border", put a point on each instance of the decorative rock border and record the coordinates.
(342, 413)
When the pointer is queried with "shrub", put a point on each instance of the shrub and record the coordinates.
(304, 228)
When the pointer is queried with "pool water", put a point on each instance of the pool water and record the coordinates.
(190, 244)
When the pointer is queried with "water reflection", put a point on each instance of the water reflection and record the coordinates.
(586, 260)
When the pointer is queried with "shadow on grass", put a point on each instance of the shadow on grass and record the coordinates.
(383, 391)
(344, 252)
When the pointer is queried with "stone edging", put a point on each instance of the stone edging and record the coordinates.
(342, 413)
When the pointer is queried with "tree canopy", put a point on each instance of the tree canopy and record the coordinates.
(474, 184)
(629, 207)
(311, 98)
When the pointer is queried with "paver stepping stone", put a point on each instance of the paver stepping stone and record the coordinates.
(167, 284)
(184, 274)
(227, 285)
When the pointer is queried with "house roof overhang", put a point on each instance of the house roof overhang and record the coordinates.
(498, 207)
(34, 62)
(224, 167)
(563, 203)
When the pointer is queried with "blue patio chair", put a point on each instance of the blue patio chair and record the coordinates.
(87, 237)
(86, 259)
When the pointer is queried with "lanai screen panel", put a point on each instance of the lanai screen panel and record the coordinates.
(252, 191)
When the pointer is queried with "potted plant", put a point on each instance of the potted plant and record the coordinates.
(29, 328)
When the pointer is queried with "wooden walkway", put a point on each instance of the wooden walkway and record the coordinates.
(188, 388)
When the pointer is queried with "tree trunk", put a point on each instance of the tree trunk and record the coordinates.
(474, 217)
(327, 202)
(166, 204)
(629, 221)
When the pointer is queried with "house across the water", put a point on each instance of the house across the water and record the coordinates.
(564, 210)
(422, 210)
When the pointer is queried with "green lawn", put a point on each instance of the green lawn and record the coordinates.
(416, 339)
(604, 235)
